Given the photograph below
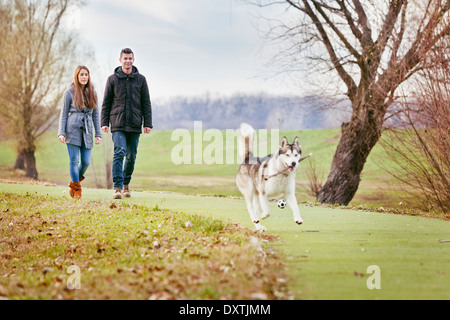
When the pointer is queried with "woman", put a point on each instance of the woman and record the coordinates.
(78, 116)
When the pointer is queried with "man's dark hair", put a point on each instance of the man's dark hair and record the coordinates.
(126, 51)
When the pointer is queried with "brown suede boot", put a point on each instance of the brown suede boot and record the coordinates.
(76, 189)
(71, 191)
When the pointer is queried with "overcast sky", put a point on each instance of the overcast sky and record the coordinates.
(183, 47)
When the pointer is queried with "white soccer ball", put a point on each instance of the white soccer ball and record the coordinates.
(281, 203)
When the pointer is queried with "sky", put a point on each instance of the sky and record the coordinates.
(184, 47)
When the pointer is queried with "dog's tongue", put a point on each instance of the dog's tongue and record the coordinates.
(291, 168)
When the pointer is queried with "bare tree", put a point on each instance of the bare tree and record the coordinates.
(35, 54)
(421, 152)
(373, 47)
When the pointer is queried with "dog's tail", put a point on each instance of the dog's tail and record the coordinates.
(245, 142)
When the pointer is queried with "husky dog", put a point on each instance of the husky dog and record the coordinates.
(271, 176)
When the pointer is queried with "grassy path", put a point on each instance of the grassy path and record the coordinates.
(329, 254)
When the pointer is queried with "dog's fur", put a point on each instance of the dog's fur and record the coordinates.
(271, 176)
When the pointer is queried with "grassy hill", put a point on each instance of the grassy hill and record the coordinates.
(155, 169)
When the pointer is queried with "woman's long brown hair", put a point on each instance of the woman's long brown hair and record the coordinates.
(86, 97)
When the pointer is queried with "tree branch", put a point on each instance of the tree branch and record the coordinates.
(346, 78)
(366, 36)
(340, 35)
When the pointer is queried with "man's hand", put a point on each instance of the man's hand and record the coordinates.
(105, 129)
(147, 129)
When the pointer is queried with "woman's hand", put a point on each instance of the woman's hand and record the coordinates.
(98, 140)
(62, 139)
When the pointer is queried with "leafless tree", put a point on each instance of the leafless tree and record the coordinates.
(420, 149)
(36, 51)
(373, 47)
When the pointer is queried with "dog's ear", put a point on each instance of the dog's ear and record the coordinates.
(297, 142)
(284, 142)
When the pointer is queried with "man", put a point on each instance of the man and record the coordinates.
(126, 107)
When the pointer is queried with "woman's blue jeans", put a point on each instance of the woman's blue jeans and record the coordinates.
(125, 146)
(76, 152)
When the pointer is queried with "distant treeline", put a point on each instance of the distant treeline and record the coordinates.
(262, 111)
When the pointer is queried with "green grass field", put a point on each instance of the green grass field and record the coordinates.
(155, 169)
(329, 255)
(326, 258)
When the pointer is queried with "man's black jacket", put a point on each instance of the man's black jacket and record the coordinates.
(126, 102)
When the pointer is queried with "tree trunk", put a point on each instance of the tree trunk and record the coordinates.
(30, 165)
(20, 161)
(108, 169)
(358, 138)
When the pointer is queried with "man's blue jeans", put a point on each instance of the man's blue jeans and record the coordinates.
(125, 146)
(75, 152)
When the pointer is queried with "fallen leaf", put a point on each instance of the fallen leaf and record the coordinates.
(357, 274)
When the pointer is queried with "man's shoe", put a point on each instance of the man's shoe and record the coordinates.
(126, 191)
(117, 194)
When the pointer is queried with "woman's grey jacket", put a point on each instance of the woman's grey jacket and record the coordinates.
(77, 124)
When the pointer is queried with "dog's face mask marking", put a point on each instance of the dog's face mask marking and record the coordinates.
(290, 154)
